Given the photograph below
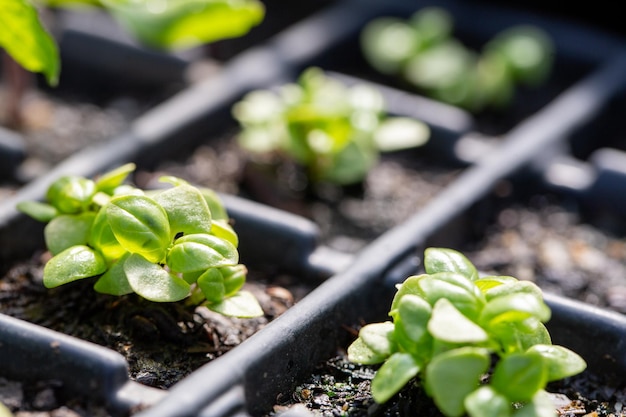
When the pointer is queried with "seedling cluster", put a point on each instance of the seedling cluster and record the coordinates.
(165, 245)
(336, 132)
(478, 344)
(423, 52)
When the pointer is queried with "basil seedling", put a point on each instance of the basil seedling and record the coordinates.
(478, 343)
(164, 245)
(334, 131)
(423, 51)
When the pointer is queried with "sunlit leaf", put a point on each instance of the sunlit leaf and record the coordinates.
(72, 264)
(27, 41)
(68, 230)
(394, 374)
(242, 305)
(152, 282)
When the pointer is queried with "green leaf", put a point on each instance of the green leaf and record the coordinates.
(27, 41)
(453, 375)
(414, 313)
(114, 281)
(541, 405)
(486, 402)
(186, 210)
(242, 305)
(513, 307)
(514, 287)
(388, 43)
(71, 194)
(399, 133)
(109, 181)
(39, 211)
(72, 264)
(234, 278)
(450, 325)
(152, 282)
(409, 286)
(444, 285)
(218, 212)
(519, 376)
(486, 283)
(379, 337)
(200, 252)
(140, 225)
(394, 374)
(212, 285)
(178, 24)
(68, 230)
(448, 260)
(561, 361)
(223, 230)
(359, 352)
(102, 238)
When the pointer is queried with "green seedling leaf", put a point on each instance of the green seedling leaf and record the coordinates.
(242, 305)
(561, 361)
(4, 411)
(359, 352)
(433, 24)
(541, 405)
(448, 260)
(350, 164)
(518, 336)
(114, 281)
(399, 133)
(140, 225)
(517, 287)
(102, 238)
(450, 325)
(108, 182)
(68, 230)
(71, 194)
(39, 211)
(394, 374)
(486, 283)
(186, 210)
(379, 338)
(178, 24)
(409, 286)
(152, 282)
(218, 212)
(445, 285)
(519, 376)
(514, 307)
(223, 230)
(72, 264)
(464, 366)
(212, 285)
(487, 402)
(388, 43)
(27, 41)
(200, 252)
(414, 313)
(234, 278)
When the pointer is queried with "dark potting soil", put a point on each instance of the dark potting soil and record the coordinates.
(341, 388)
(162, 342)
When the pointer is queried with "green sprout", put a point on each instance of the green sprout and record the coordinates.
(165, 245)
(335, 131)
(477, 342)
(423, 52)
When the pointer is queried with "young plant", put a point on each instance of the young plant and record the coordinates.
(165, 245)
(478, 343)
(335, 131)
(423, 52)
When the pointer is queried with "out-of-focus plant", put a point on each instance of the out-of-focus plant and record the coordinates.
(478, 344)
(165, 245)
(162, 24)
(423, 51)
(335, 131)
